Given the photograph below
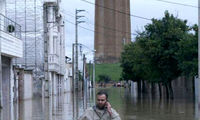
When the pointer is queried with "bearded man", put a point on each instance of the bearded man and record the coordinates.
(102, 110)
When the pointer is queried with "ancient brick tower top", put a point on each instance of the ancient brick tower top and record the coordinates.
(112, 29)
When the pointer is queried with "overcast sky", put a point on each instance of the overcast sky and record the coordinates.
(144, 8)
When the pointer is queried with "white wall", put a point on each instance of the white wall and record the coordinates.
(11, 45)
(28, 85)
(2, 7)
(68, 78)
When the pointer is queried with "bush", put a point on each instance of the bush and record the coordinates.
(104, 78)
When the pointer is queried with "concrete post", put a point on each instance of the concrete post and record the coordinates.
(84, 84)
(94, 84)
(198, 52)
(76, 46)
(198, 94)
(49, 19)
(0, 74)
(1, 99)
(76, 52)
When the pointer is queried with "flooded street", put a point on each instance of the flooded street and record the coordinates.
(129, 106)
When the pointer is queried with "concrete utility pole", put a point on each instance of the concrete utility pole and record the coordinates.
(73, 84)
(94, 84)
(199, 51)
(75, 67)
(76, 45)
(84, 84)
(197, 108)
(198, 38)
(0, 74)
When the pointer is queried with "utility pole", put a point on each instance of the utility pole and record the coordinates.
(199, 39)
(198, 88)
(198, 85)
(0, 74)
(94, 84)
(84, 84)
(75, 66)
(73, 84)
(76, 45)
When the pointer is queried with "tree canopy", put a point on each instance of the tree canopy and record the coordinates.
(165, 50)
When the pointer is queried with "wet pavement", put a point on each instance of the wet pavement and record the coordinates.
(125, 101)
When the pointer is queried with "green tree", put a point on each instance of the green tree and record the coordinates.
(187, 54)
(155, 56)
(104, 78)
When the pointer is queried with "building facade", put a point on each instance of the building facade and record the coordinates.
(11, 47)
(44, 42)
(32, 52)
(54, 55)
(112, 29)
(29, 14)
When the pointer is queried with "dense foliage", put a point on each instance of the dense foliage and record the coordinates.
(165, 50)
(104, 78)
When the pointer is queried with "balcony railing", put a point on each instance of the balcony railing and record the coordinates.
(9, 26)
(53, 58)
(53, 63)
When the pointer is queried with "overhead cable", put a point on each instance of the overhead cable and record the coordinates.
(111, 29)
(92, 30)
(140, 17)
(177, 3)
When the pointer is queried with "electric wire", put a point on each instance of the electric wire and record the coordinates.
(102, 26)
(94, 30)
(176, 3)
(111, 9)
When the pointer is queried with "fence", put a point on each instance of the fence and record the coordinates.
(9, 26)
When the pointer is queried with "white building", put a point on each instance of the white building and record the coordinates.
(68, 78)
(11, 46)
(54, 47)
(44, 43)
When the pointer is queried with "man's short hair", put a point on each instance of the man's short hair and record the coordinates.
(103, 93)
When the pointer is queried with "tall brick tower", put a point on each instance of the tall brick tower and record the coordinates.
(112, 29)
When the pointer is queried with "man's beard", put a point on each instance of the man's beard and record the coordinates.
(101, 107)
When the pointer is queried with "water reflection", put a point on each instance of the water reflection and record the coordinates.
(125, 101)
(132, 107)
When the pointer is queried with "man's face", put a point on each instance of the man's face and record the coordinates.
(101, 101)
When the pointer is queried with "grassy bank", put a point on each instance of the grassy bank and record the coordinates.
(112, 70)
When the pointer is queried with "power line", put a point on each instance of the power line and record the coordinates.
(92, 30)
(111, 29)
(140, 17)
(175, 3)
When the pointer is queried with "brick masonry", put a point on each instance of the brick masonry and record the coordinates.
(112, 29)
